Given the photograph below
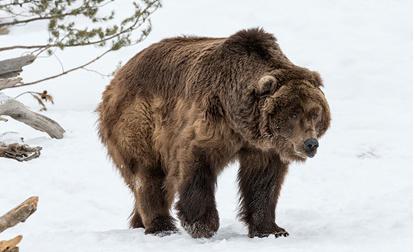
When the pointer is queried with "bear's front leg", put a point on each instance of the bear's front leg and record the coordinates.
(196, 206)
(260, 176)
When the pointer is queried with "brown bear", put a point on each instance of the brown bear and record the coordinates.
(182, 109)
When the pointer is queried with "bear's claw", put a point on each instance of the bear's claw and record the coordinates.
(281, 232)
(276, 231)
(204, 227)
(161, 226)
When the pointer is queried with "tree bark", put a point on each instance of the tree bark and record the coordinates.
(18, 214)
(4, 31)
(12, 67)
(19, 152)
(8, 83)
(12, 218)
(10, 245)
(19, 112)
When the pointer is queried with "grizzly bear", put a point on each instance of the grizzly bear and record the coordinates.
(182, 109)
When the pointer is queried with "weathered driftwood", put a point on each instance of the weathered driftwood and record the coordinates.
(9, 70)
(12, 218)
(10, 245)
(15, 249)
(18, 111)
(12, 67)
(7, 83)
(19, 213)
(4, 31)
(19, 152)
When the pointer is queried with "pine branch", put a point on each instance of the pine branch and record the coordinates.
(138, 21)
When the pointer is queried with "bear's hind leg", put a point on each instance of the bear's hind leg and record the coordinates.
(151, 203)
(135, 219)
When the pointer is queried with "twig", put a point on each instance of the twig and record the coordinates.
(27, 92)
(64, 72)
(25, 21)
(97, 72)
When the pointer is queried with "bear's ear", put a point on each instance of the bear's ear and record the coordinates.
(266, 86)
(317, 81)
(252, 41)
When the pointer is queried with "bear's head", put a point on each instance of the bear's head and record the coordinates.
(292, 116)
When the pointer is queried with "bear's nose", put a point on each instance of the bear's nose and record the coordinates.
(310, 146)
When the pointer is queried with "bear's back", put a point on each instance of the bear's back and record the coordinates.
(164, 68)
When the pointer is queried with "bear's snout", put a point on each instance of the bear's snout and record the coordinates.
(310, 146)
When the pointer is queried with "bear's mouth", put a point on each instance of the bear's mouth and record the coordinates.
(290, 151)
(299, 154)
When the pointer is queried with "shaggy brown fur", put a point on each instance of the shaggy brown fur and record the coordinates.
(179, 111)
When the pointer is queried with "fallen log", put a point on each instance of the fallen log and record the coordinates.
(12, 218)
(12, 67)
(10, 245)
(8, 83)
(19, 213)
(18, 111)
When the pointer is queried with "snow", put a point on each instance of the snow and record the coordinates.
(3, 98)
(355, 195)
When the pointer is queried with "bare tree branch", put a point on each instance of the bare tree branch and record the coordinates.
(25, 21)
(64, 72)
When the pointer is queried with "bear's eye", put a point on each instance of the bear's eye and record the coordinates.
(294, 116)
(314, 115)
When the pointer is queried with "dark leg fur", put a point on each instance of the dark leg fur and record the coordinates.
(196, 206)
(152, 208)
(260, 178)
(161, 225)
(135, 220)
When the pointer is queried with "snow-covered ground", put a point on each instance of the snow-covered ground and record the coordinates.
(355, 195)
